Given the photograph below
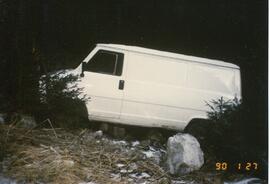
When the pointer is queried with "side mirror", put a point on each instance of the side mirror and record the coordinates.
(83, 68)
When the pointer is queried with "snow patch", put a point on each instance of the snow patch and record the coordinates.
(119, 142)
(126, 171)
(182, 182)
(135, 143)
(153, 153)
(4, 180)
(140, 175)
(245, 181)
(120, 165)
(88, 182)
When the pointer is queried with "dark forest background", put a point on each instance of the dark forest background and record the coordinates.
(38, 36)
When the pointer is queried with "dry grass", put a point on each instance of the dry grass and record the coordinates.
(59, 156)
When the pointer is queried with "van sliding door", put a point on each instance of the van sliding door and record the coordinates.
(103, 83)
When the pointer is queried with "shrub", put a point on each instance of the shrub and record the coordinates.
(62, 101)
(226, 133)
(223, 110)
(232, 133)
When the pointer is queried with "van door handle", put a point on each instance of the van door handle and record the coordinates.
(121, 84)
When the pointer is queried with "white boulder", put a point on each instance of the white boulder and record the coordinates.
(184, 154)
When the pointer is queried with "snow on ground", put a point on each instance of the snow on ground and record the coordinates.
(246, 181)
(4, 180)
(124, 143)
(135, 143)
(120, 165)
(182, 182)
(140, 175)
(154, 153)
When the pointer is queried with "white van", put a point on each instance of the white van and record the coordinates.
(145, 87)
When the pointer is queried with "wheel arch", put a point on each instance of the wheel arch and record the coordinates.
(195, 121)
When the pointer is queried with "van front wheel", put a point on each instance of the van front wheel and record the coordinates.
(199, 128)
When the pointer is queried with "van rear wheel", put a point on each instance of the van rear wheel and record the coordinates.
(199, 128)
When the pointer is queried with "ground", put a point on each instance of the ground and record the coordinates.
(88, 156)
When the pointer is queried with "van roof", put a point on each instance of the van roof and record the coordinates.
(169, 54)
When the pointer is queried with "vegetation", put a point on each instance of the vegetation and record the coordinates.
(61, 156)
(62, 101)
(226, 134)
(230, 135)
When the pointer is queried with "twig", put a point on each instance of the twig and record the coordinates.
(51, 148)
(52, 127)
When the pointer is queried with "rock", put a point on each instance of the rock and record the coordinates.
(98, 134)
(27, 121)
(184, 154)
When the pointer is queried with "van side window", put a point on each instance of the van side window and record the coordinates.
(106, 62)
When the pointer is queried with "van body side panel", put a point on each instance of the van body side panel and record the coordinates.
(154, 92)
(210, 78)
(166, 92)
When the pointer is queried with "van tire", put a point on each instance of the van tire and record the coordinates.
(118, 132)
(199, 128)
(105, 127)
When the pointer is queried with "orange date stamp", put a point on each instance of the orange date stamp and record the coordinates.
(246, 166)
